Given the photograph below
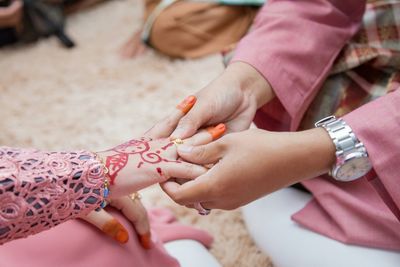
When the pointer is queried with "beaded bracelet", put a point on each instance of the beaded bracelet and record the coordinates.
(106, 185)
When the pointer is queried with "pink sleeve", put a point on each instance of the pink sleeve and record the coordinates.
(377, 125)
(39, 189)
(293, 44)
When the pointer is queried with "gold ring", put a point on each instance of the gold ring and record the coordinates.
(177, 141)
(136, 196)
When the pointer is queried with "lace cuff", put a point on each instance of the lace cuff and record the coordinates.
(40, 189)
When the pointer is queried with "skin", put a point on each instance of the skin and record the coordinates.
(139, 163)
(246, 164)
(273, 161)
(133, 47)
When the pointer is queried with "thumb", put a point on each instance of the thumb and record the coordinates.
(192, 121)
(204, 154)
(108, 224)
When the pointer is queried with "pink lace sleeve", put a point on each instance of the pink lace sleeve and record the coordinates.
(39, 189)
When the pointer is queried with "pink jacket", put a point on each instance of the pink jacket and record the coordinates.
(293, 45)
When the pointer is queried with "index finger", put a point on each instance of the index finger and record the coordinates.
(165, 127)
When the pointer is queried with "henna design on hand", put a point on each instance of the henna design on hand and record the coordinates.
(142, 148)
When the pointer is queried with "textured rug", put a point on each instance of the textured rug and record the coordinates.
(87, 97)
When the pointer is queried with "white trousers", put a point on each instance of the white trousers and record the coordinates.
(191, 253)
(289, 245)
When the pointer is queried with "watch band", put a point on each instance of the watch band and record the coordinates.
(341, 134)
(351, 155)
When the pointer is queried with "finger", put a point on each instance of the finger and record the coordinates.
(206, 136)
(136, 213)
(165, 127)
(183, 170)
(204, 154)
(108, 224)
(188, 193)
(189, 124)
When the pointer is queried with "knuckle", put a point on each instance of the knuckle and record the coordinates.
(200, 152)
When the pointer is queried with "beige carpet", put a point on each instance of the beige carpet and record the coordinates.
(53, 98)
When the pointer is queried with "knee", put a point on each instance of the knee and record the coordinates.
(167, 36)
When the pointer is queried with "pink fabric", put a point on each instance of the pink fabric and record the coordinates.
(293, 46)
(169, 229)
(40, 189)
(76, 243)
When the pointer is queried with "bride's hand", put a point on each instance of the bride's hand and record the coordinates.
(132, 166)
(140, 163)
(133, 210)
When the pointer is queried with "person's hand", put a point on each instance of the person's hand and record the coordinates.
(251, 164)
(131, 166)
(232, 99)
(133, 47)
(133, 210)
(137, 164)
(11, 16)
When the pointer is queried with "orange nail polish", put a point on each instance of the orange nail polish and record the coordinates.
(187, 104)
(122, 236)
(217, 131)
(116, 230)
(145, 240)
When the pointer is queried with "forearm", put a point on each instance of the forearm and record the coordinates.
(291, 157)
(40, 189)
(316, 153)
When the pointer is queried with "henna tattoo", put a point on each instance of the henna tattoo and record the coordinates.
(167, 146)
(116, 162)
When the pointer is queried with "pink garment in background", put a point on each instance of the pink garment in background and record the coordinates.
(293, 45)
(78, 244)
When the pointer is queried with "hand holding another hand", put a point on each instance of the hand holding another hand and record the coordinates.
(251, 164)
(139, 163)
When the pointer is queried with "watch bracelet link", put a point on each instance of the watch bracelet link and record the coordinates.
(345, 141)
(342, 136)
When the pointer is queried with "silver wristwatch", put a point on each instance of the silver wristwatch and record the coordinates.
(352, 160)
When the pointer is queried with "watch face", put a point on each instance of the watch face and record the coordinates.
(353, 168)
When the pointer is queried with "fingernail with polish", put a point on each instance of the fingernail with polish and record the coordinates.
(185, 149)
(187, 104)
(217, 131)
(116, 230)
(146, 241)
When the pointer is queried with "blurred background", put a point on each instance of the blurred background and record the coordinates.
(73, 90)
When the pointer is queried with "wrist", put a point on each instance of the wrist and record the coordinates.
(251, 82)
(319, 152)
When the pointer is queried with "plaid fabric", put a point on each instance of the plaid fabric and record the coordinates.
(368, 66)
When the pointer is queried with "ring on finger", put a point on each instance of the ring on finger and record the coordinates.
(201, 209)
(177, 141)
